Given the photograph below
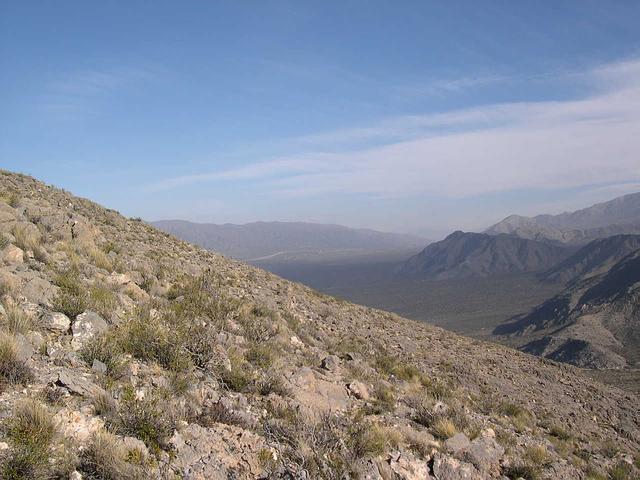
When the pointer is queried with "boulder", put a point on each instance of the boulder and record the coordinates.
(219, 452)
(316, 393)
(86, 326)
(25, 349)
(406, 466)
(330, 363)
(78, 425)
(12, 255)
(56, 322)
(359, 390)
(457, 443)
(449, 468)
(76, 383)
(485, 453)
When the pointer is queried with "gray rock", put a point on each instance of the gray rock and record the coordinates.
(448, 468)
(25, 349)
(76, 383)
(485, 453)
(330, 363)
(98, 366)
(86, 326)
(457, 443)
(56, 322)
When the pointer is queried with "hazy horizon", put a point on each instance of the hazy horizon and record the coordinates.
(417, 118)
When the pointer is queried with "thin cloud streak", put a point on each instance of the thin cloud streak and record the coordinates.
(496, 148)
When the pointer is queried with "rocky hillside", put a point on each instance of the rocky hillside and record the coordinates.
(128, 354)
(593, 259)
(594, 323)
(615, 217)
(283, 240)
(463, 255)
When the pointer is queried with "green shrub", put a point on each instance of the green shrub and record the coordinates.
(147, 337)
(101, 299)
(147, 419)
(239, 378)
(72, 298)
(621, 471)
(105, 349)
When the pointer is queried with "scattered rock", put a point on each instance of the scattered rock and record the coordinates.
(56, 322)
(317, 394)
(330, 363)
(449, 468)
(457, 443)
(359, 390)
(98, 366)
(78, 384)
(12, 255)
(86, 326)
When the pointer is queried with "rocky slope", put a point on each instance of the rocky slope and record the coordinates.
(618, 216)
(283, 240)
(595, 322)
(593, 259)
(463, 255)
(126, 353)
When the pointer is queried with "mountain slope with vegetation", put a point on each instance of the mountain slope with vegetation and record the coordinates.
(595, 258)
(285, 240)
(615, 217)
(467, 254)
(594, 322)
(126, 353)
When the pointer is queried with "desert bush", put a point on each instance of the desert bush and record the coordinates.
(72, 297)
(16, 321)
(27, 238)
(31, 431)
(147, 337)
(443, 428)
(365, 439)
(261, 355)
(105, 458)
(218, 413)
(106, 349)
(384, 400)
(239, 378)
(522, 470)
(259, 327)
(537, 455)
(621, 471)
(521, 418)
(12, 369)
(272, 382)
(147, 419)
(101, 299)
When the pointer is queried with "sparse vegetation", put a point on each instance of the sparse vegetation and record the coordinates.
(31, 431)
(16, 321)
(106, 459)
(147, 419)
(13, 370)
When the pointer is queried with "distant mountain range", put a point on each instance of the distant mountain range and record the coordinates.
(595, 321)
(618, 216)
(467, 254)
(261, 241)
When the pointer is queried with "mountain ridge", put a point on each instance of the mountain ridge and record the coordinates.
(256, 240)
(468, 254)
(620, 215)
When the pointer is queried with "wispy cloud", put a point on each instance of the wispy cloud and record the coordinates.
(494, 148)
(74, 95)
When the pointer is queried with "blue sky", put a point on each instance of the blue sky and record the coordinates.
(409, 116)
